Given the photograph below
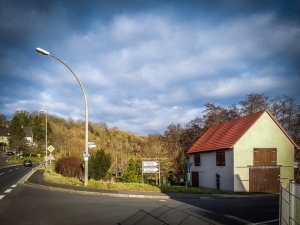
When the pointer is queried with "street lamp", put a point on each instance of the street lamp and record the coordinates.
(86, 154)
(46, 145)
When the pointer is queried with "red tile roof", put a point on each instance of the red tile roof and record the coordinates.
(225, 135)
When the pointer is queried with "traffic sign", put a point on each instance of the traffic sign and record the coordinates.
(50, 148)
(51, 157)
(150, 169)
(189, 165)
(150, 163)
(91, 143)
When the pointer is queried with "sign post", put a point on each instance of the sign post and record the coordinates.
(51, 157)
(151, 167)
(188, 175)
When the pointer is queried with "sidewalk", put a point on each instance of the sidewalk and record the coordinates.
(36, 179)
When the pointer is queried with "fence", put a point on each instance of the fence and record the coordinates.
(289, 207)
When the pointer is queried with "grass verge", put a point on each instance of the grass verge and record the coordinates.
(112, 185)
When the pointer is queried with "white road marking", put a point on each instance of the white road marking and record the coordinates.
(2, 196)
(14, 185)
(8, 190)
(25, 177)
(1, 174)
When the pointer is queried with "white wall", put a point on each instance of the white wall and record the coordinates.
(208, 170)
(29, 139)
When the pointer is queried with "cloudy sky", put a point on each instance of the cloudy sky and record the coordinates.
(145, 64)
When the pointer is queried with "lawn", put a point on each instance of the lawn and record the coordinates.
(52, 176)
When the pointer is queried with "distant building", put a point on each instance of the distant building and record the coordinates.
(28, 134)
(4, 134)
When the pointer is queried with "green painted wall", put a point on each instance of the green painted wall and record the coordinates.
(263, 134)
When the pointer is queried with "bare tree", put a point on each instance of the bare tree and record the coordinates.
(254, 103)
(287, 111)
(3, 120)
(214, 114)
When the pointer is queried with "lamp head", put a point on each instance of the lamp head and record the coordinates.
(42, 51)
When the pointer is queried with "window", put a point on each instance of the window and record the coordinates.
(220, 158)
(197, 159)
(264, 156)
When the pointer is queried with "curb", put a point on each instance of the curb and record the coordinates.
(94, 193)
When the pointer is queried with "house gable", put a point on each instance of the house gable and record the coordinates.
(28, 133)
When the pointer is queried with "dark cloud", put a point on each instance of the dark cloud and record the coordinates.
(145, 64)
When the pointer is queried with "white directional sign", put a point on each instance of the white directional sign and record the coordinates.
(150, 163)
(150, 169)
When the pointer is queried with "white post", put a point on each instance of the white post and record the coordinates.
(86, 163)
(159, 173)
(46, 140)
(46, 144)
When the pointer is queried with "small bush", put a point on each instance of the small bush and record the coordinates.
(99, 165)
(70, 166)
(132, 173)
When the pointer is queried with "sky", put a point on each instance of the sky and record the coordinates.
(145, 64)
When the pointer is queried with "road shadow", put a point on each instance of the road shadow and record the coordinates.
(168, 215)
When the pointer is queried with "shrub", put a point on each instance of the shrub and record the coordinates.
(132, 173)
(70, 166)
(99, 164)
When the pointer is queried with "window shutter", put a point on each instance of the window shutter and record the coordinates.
(264, 156)
(197, 159)
(256, 157)
(223, 158)
(220, 158)
(273, 157)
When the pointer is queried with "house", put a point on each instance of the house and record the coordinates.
(4, 134)
(253, 153)
(28, 134)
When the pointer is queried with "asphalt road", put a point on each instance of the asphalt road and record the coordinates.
(30, 205)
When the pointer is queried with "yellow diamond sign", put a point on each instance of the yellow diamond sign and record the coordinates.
(50, 148)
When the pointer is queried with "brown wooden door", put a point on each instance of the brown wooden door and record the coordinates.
(195, 179)
(264, 179)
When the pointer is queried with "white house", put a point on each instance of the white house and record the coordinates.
(253, 153)
(28, 134)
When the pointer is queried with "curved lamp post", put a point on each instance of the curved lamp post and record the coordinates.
(86, 154)
(46, 144)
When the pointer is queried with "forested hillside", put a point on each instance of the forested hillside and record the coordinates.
(68, 136)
